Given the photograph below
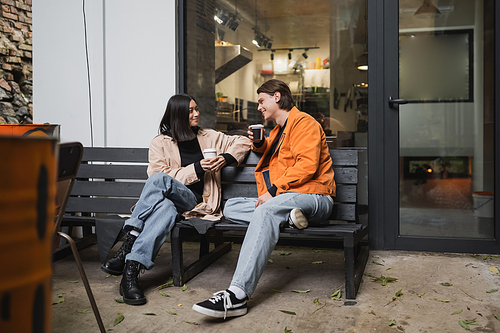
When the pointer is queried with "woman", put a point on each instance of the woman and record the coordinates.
(181, 182)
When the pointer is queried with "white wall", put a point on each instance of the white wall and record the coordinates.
(132, 61)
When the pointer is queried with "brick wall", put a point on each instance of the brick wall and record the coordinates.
(16, 70)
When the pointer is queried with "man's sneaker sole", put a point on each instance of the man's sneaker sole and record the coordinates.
(297, 219)
(220, 314)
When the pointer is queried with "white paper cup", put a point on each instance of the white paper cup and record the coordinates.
(210, 152)
(258, 131)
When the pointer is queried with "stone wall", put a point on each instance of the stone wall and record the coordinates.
(16, 70)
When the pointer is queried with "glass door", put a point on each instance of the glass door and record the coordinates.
(440, 102)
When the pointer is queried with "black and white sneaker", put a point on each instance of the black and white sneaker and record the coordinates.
(223, 304)
(297, 219)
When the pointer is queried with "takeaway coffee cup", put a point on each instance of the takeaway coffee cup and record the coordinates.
(258, 131)
(210, 152)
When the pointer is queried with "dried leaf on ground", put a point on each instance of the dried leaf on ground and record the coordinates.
(336, 295)
(164, 294)
(119, 300)
(287, 330)
(493, 269)
(283, 253)
(118, 319)
(446, 284)
(492, 291)
(171, 313)
(184, 288)
(149, 314)
(73, 281)
(289, 312)
(316, 301)
(465, 323)
(399, 293)
(170, 283)
(369, 274)
(496, 316)
(276, 290)
(192, 322)
(373, 312)
(384, 280)
(388, 268)
(392, 322)
(301, 291)
(60, 299)
(442, 300)
(318, 262)
(457, 312)
(84, 311)
(421, 294)
(377, 263)
(270, 260)
(489, 257)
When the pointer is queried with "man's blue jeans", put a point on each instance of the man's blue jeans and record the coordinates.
(162, 199)
(264, 229)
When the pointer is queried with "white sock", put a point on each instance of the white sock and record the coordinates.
(134, 233)
(238, 292)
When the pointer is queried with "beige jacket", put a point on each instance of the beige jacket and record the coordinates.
(164, 157)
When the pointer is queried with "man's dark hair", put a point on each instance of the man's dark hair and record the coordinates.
(175, 121)
(270, 87)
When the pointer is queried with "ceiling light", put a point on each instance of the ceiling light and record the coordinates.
(304, 55)
(428, 8)
(363, 61)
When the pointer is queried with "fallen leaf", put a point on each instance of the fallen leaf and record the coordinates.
(388, 268)
(171, 313)
(73, 281)
(399, 293)
(170, 283)
(446, 284)
(489, 257)
(492, 291)
(316, 301)
(384, 280)
(496, 316)
(59, 300)
(118, 319)
(318, 262)
(84, 311)
(276, 291)
(180, 304)
(270, 260)
(392, 322)
(192, 322)
(287, 330)
(184, 288)
(377, 263)
(149, 314)
(119, 300)
(442, 300)
(301, 291)
(493, 269)
(336, 295)
(421, 294)
(289, 312)
(164, 294)
(373, 313)
(283, 253)
(457, 312)
(369, 274)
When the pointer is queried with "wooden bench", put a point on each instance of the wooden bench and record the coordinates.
(110, 181)
(240, 182)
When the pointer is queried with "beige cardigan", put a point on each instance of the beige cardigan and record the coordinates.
(164, 157)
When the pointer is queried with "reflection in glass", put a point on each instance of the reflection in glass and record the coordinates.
(446, 129)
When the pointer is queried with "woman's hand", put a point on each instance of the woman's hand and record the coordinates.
(213, 164)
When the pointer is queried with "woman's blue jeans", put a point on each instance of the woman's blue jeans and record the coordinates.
(264, 229)
(162, 200)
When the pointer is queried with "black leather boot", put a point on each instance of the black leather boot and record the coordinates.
(116, 264)
(129, 287)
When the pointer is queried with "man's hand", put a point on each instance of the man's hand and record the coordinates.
(213, 164)
(250, 134)
(263, 198)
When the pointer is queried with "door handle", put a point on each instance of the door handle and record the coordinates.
(396, 101)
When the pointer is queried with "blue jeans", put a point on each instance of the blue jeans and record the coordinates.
(264, 229)
(162, 200)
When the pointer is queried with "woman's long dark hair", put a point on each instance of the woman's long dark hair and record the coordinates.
(175, 121)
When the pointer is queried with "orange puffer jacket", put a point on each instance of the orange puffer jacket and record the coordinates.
(301, 162)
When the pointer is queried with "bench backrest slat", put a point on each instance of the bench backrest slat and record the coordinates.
(96, 192)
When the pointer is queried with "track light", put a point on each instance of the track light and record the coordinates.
(289, 56)
(304, 55)
(272, 56)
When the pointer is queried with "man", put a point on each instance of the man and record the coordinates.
(295, 183)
